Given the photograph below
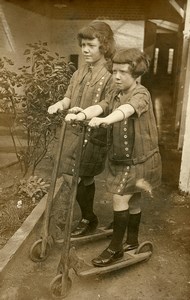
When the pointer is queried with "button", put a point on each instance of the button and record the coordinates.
(127, 155)
(89, 129)
(97, 95)
(88, 83)
(126, 149)
(125, 122)
(99, 89)
(103, 77)
(95, 101)
(125, 129)
(128, 167)
(73, 170)
(126, 173)
(121, 185)
(101, 83)
(125, 143)
(119, 190)
(85, 141)
(123, 179)
(125, 136)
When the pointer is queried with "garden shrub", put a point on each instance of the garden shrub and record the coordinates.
(27, 93)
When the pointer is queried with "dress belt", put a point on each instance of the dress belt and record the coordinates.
(134, 161)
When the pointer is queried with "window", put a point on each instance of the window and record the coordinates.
(156, 53)
(170, 60)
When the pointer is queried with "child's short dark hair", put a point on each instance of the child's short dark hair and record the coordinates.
(137, 60)
(103, 32)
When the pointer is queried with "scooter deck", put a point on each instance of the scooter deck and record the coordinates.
(129, 259)
(99, 233)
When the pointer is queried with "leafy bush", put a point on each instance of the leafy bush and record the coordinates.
(28, 93)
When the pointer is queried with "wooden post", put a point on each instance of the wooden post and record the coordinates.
(184, 180)
(182, 99)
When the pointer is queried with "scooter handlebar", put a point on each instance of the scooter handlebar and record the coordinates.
(82, 122)
(86, 122)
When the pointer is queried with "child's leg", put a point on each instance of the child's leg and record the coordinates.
(120, 220)
(115, 248)
(134, 222)
(85, 199)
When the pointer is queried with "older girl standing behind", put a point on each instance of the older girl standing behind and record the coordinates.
(133, 161)
(88, 86)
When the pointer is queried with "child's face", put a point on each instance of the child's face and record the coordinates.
(91, 50)
(122, 77)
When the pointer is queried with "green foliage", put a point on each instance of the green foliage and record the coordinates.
(39, 83)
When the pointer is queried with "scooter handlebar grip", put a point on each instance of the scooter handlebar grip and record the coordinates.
(86, 122)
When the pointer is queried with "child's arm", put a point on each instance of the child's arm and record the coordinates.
(60, 105)
(88, 113)
(119, 114)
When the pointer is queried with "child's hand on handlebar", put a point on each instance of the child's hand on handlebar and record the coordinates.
(71, 118)
(97, 122)
(55, 107)
(75, 110)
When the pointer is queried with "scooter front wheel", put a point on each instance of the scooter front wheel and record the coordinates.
(60, 287)
(35, 251)
(144, 247)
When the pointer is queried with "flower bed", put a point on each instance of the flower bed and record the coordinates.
(18, 197)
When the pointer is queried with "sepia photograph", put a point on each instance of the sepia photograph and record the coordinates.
(95, 149)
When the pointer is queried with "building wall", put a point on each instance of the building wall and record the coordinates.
(21, 26)
(92, 9)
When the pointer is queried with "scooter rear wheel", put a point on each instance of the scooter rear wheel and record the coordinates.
(144, 247)
(35, 251)
(59, 291)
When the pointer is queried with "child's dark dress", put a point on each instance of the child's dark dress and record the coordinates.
(134, 162)
(85, 91)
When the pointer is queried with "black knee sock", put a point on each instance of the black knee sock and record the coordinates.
(85, 199)
(90, 192)
(133, 229)
(119, 226)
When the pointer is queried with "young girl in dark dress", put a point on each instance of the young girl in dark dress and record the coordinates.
(134, 162)
(88, 86)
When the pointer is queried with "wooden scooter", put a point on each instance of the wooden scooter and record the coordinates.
(41, 248)
(61, 284)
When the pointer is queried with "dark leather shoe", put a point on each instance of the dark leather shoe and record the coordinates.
(107, 257)
(128, 247)
(84, 227)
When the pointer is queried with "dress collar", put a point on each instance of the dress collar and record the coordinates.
(98, 71)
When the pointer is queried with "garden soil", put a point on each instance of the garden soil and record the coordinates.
(166, 276)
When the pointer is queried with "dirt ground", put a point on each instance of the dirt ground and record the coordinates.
(165, 222)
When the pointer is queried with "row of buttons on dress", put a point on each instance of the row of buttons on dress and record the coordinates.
(99, 90)
(121, 186)
(88, 135)
(95, 101)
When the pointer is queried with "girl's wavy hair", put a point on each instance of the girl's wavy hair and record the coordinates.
(138, 61)
(103, 32)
